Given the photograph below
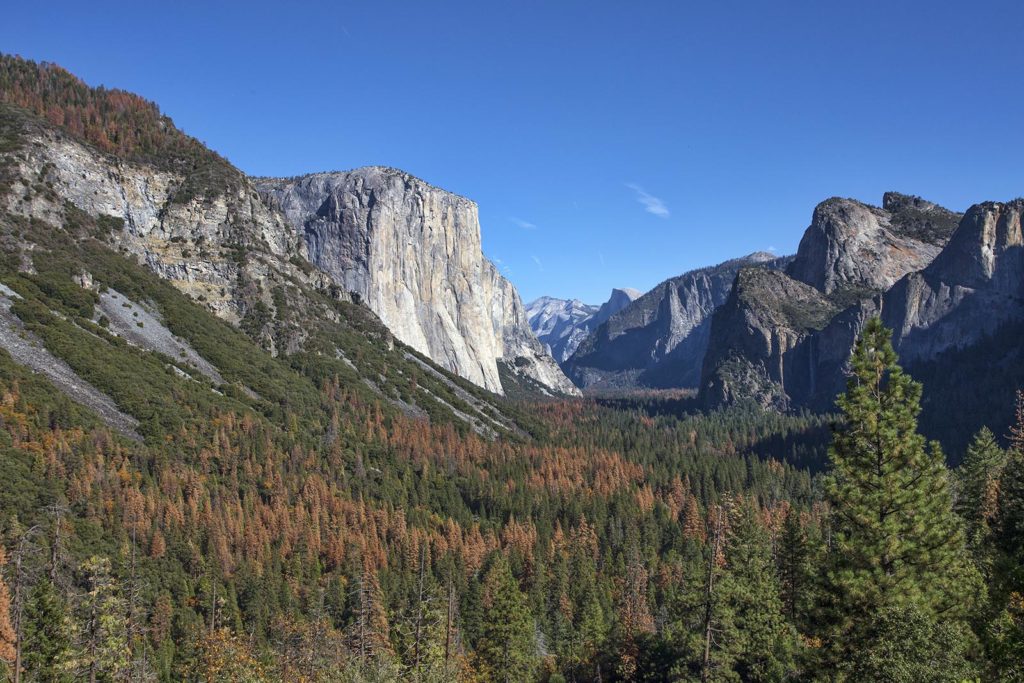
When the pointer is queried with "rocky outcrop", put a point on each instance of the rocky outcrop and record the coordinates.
(619, 299)
(786, 342)
(974, 286)
(763, 340)
(560, 324)
(660, 339)
(224, 248)
(412, 253)
(852, 248)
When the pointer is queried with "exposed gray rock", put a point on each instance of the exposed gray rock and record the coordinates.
(759, 337)
(562, 324)
(854, 248)
(788, 346)
(412, 253)
(619, 299)
(28, 350)
(974, 286)
(140, 325)
(659, 340)
(220, 248)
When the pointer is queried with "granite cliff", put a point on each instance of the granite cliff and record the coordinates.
(412, 253)
(784, 340)
(407, 251)
(562, 324)
(659, 340)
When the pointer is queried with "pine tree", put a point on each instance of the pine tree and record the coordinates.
(101, 652)
(47, 635)
(977, 494)
(896, 542)
(795, 570)
(506, 648)
(1005, 633)
(759, 641)
(905, 645)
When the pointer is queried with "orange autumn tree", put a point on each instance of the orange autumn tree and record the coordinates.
(7, 635)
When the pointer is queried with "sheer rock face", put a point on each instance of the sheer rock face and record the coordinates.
(560, 324)
(787, 345)
(412, 253)
(759, 336)
(659, 340)
(619, 299)
(563, 324)
(974, 286)
(854, 247)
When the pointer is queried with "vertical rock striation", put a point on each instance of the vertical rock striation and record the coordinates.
(785, 340)
(412, 253)
(659, 340)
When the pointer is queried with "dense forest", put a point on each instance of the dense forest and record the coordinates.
(298, 521)
(341, 540)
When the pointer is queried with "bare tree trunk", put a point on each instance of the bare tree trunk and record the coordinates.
(450, 617)
(19, 598)
(705, 669)
(419, 614)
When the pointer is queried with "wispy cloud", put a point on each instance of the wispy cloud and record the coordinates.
(651, 204)
(537, 261)
(771, 249)
(525, 225)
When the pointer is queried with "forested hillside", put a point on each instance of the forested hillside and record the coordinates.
(298, 496)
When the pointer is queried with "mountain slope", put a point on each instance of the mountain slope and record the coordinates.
(74, 221)
(659, 339)
(786, 346)
(562, 324)
(200, 223)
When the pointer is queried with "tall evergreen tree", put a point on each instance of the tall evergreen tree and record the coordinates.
(506, 647)
(977, 494)
(761, 643)
(1005, 632)
(101, 652)
(795, 570)
(47, 635)
(896, 543)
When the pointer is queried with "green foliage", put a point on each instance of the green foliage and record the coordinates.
(114, 121)
(759, 641)
(896, 542)
(907, 645)
(977, 490)
(101, 650)
(47, 636)
(506, 645)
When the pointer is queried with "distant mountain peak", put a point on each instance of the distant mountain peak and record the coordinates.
(561, 324)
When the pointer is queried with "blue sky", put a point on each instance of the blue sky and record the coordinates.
(607, 143)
